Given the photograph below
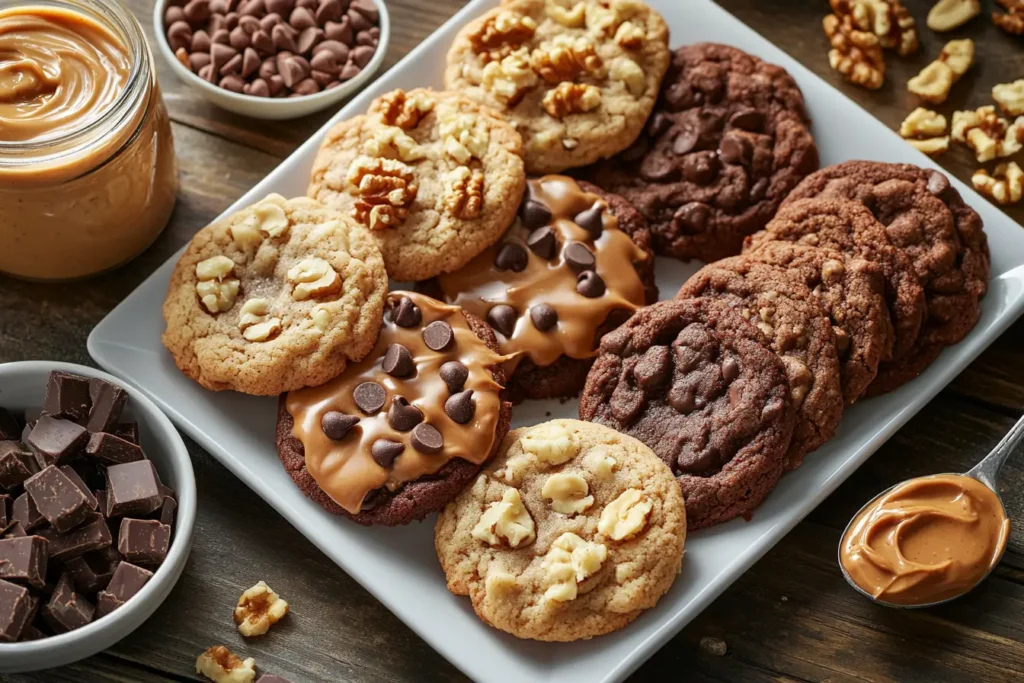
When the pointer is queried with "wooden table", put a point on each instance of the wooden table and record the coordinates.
(792, 617)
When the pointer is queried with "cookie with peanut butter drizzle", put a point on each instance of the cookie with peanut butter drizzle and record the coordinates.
(398, 435)
(574, 266)
(280, 295)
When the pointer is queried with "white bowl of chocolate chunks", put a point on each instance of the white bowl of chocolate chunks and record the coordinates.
(97, 506)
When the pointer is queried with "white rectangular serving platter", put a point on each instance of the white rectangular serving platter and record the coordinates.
(398, 566)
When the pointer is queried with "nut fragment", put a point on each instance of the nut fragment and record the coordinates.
(625, 516)
(989, 135)
(216, 289)
(510, 78)
(567, 492)
(385, 187)
(550, 443)
(504, 28)
(855, 54)
(568, 13)
(499, 583)
(933, 83)
(258, 609)
(600, 461)
(391, 142)
(630, 36)
(463, 138)
(959, 55)
(947, 15)
(1010, 97)
(629, 72)
(220, 665)
(321, 318)
(313, 277)
(800, 379)
(570, 561)
(506, 519)
(888, 20)
(925, 130)
(464, 192)
(571, 98)
(564, 58)
(272, 220)
(1005, 185)
(1013, 20)
(254, 322)
(397, 108)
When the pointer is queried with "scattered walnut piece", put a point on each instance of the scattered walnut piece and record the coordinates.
(571, 98)
(933, 83)
(959, 55)
(564, 58)
(989, 135)
(1005, 185)
(220, 665)
(509, 78)
(464, 195)
(258, 609)
(713, 646)
(855, 54)
(386, 187)
(570, 561)
(216, 288)
(396, 108)
(925, 130)
(888, 20)
(506, 519)
(947, 15)
(1013, 20)
(1010, 97)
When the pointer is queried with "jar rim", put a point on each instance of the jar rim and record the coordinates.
(113, 15)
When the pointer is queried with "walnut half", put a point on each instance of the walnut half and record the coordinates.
(855, 54)
(385, 188)
(258, 609)
(1005, 185)
(571, 98)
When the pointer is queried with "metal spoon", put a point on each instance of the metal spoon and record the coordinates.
(986, 471)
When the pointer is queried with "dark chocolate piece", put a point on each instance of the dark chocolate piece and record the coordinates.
(544, 317)
(30, 632)
(407, 314)
(17, 608)
(10, 430)
(168, 510)
(402, 416)
(77, 480)
(92, 571)
(13, 530)
(16, 464)
(92, 535)
(454, 375)
(67, 610)
(107, 403)
(67, 396)
(129, 431)
(24, 560)
(398, 361)
(438, 335)
(336, 425)
(385, 451)
(59, 499)
(127, 581)
(25, 511)
(460, 407)
(426, 439)
(370, 397)
(55, 441)
(132, 489)
(112, 450)
(5, 510)
(143, 541)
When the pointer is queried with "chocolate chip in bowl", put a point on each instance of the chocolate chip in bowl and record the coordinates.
(273, 59)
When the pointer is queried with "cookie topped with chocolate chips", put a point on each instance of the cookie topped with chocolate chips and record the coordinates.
(728, 139)
(398, 435)
(573, 266)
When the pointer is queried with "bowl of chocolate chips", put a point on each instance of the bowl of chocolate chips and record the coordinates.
(97, 506)
(273, 59)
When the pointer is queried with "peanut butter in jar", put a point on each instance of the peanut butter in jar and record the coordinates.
(88, 177)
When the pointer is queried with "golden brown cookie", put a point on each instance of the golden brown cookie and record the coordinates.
(578, 78)
(571, 532)
(435, 176)
(280, 295)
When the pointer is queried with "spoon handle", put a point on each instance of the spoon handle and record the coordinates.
(987, 470)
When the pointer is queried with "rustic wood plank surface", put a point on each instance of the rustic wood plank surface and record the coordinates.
(791, 618)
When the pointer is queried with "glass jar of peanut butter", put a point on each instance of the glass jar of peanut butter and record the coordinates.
(88, 177)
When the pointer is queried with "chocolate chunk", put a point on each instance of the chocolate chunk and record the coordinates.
(13, 530)
(370, 397)
(112, 450)
(101, 501)
(17, 607)
(692, 218)
(132, 489)
(107, 403)
(591, 220)
(23, 560)
(511, 256)
(16, 464)
(31, 632)
(67, 610)
(126, 582)
(76, 479)
(398, 361)
(129, 431)
(67, 396)
(734, 149)
(454, 374)
(686, 141)
(747, 119)
(460, 407)
(55, 441)
(5, 510)
(385, 451)
(143, 541)
(402, 416)
(503, 318)
(579, 257)
(542, 242)
(534, 214)
(167, 511)
(407, 314)
(9, 429)
(59, 499)
(590, 284)
(336, 425)
(24, 511)
(938, 183)
(92, 571)
(426, 439)
(438, 335)
(92, 535)
(701, 168)
(543, 316)
(654, 368)
(730, 369)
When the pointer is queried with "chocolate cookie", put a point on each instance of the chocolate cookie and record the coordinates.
(852, 292)
(398, 435)
(848, 227)
(797, 329)
(727, 141)
(574, 266)
(696, 382)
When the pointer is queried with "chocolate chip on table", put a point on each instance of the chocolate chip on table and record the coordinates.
(454, 374)
(336, 425)
(56, 441)
(544, 317)
(143, 541)
(460, 407)
(23, 560)
(402, 416)
(385, 451)
(503, 318)
(534, 214)
(407, 314)
(578, 256)
(398, 361)
(590, 284)
(438, 335)
(511, 256)
(125, 583)
(426, 439)
(112, 450)
(542, 242)
(370, 397)
(58, 499)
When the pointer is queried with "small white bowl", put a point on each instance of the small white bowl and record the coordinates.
(271, 108)
(22, 385)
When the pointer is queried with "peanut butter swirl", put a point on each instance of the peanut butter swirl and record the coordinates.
(59, 69)
(558, 273)
(927, 540)
(405, 410)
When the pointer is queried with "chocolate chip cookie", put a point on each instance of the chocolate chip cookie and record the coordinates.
(576, 263)
(280, 295)
(852, 292)
(727, 141)
(571, 532)
(796, 328)
(943, 237)
(398, 435)
(696, 382)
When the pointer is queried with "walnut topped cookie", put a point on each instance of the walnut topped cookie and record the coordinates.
(280, 295)
(578, 78)
(435, 176)
(570, 533)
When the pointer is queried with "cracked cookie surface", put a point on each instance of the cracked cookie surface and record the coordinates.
(280, 295)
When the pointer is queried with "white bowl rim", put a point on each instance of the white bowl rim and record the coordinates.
(322, 99)
(185, 515)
